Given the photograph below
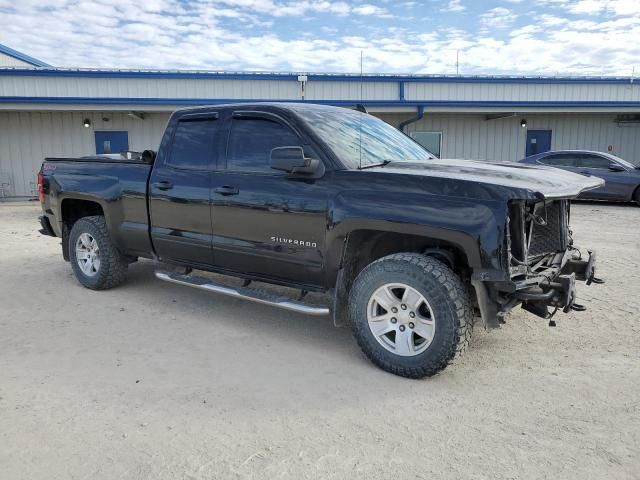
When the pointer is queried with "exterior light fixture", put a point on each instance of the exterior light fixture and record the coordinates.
(523, 123)
(86, 123)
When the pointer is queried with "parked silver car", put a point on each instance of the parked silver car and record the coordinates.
(622, 178)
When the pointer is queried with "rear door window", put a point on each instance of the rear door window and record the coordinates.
(251, 141)
(559, 160)
(193, 144)
(594, 161)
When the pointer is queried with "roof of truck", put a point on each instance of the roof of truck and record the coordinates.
(292, 105)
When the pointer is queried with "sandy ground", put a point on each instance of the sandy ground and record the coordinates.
(152, 380)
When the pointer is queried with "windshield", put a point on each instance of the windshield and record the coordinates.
(361, 140)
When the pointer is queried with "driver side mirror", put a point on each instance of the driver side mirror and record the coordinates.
(148, 156)
(293, 161)
(614, 167)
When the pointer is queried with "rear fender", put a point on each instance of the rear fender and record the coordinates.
(103, 191)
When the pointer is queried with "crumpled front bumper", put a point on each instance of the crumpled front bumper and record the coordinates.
(584, 270)
(560, 292)
(553, 288)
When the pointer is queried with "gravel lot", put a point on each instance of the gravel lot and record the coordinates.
(152, 380)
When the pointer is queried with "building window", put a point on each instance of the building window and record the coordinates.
(432, 141)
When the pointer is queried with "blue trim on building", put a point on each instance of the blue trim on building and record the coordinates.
(54, 72)
(401, 90)
(22, 57)
(470, 79)
(377, 103)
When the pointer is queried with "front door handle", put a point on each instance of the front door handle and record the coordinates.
(226, 190)
(164, 185)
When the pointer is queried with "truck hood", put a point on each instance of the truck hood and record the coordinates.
(548, 182)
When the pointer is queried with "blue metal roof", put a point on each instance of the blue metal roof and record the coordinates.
(21, 56)
(372, 103)
(200, 74)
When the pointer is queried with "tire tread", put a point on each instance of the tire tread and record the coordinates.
(457, 298)
(115, 272)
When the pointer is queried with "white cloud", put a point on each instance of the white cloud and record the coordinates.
(547, 20)
(454, 6)
(587, 6)
(368, 9)
(594, 7)
(246, 35)
(498, 17)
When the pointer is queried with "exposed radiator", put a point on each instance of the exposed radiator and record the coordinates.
(554, 236)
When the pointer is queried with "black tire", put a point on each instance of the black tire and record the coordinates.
(448, 301)
(636, 196)
(113, 266)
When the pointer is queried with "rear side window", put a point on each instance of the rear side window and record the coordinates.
(251, 141)
(593, 161)
(559, 160)
(193, 144)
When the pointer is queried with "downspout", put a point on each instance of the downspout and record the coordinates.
(418, 116)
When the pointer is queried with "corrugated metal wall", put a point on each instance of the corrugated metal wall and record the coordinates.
(354, 91)
(523, 92)
(9, 61)
(320, 88)
(474, 137)
(27, 137)
(28, 86)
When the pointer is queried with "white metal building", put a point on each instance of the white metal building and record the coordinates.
(46, 111)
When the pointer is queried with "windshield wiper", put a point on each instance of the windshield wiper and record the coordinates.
(381, 164)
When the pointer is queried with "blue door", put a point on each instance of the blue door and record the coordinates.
(112, 142)
(538, 141)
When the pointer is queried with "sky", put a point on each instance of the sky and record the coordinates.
(493, 37)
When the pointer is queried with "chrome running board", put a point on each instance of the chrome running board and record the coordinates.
(255, 295)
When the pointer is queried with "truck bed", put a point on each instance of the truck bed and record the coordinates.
(119, 186)
(106, 158)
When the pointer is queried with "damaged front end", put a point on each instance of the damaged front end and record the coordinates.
(542, 261)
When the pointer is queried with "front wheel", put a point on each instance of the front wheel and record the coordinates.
(96, 263)
(410, 314)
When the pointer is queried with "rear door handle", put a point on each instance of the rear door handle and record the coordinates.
(226, 190)
(164, 185)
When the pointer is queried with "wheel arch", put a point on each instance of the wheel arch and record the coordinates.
(635, 196)
(361, 247)
(73, 209)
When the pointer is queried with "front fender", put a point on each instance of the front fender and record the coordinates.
(475, 227)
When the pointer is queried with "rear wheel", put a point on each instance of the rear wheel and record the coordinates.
(96, 263)
(636, 196)
(410, 314)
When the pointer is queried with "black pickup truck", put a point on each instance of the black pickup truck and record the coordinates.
(409, 249)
